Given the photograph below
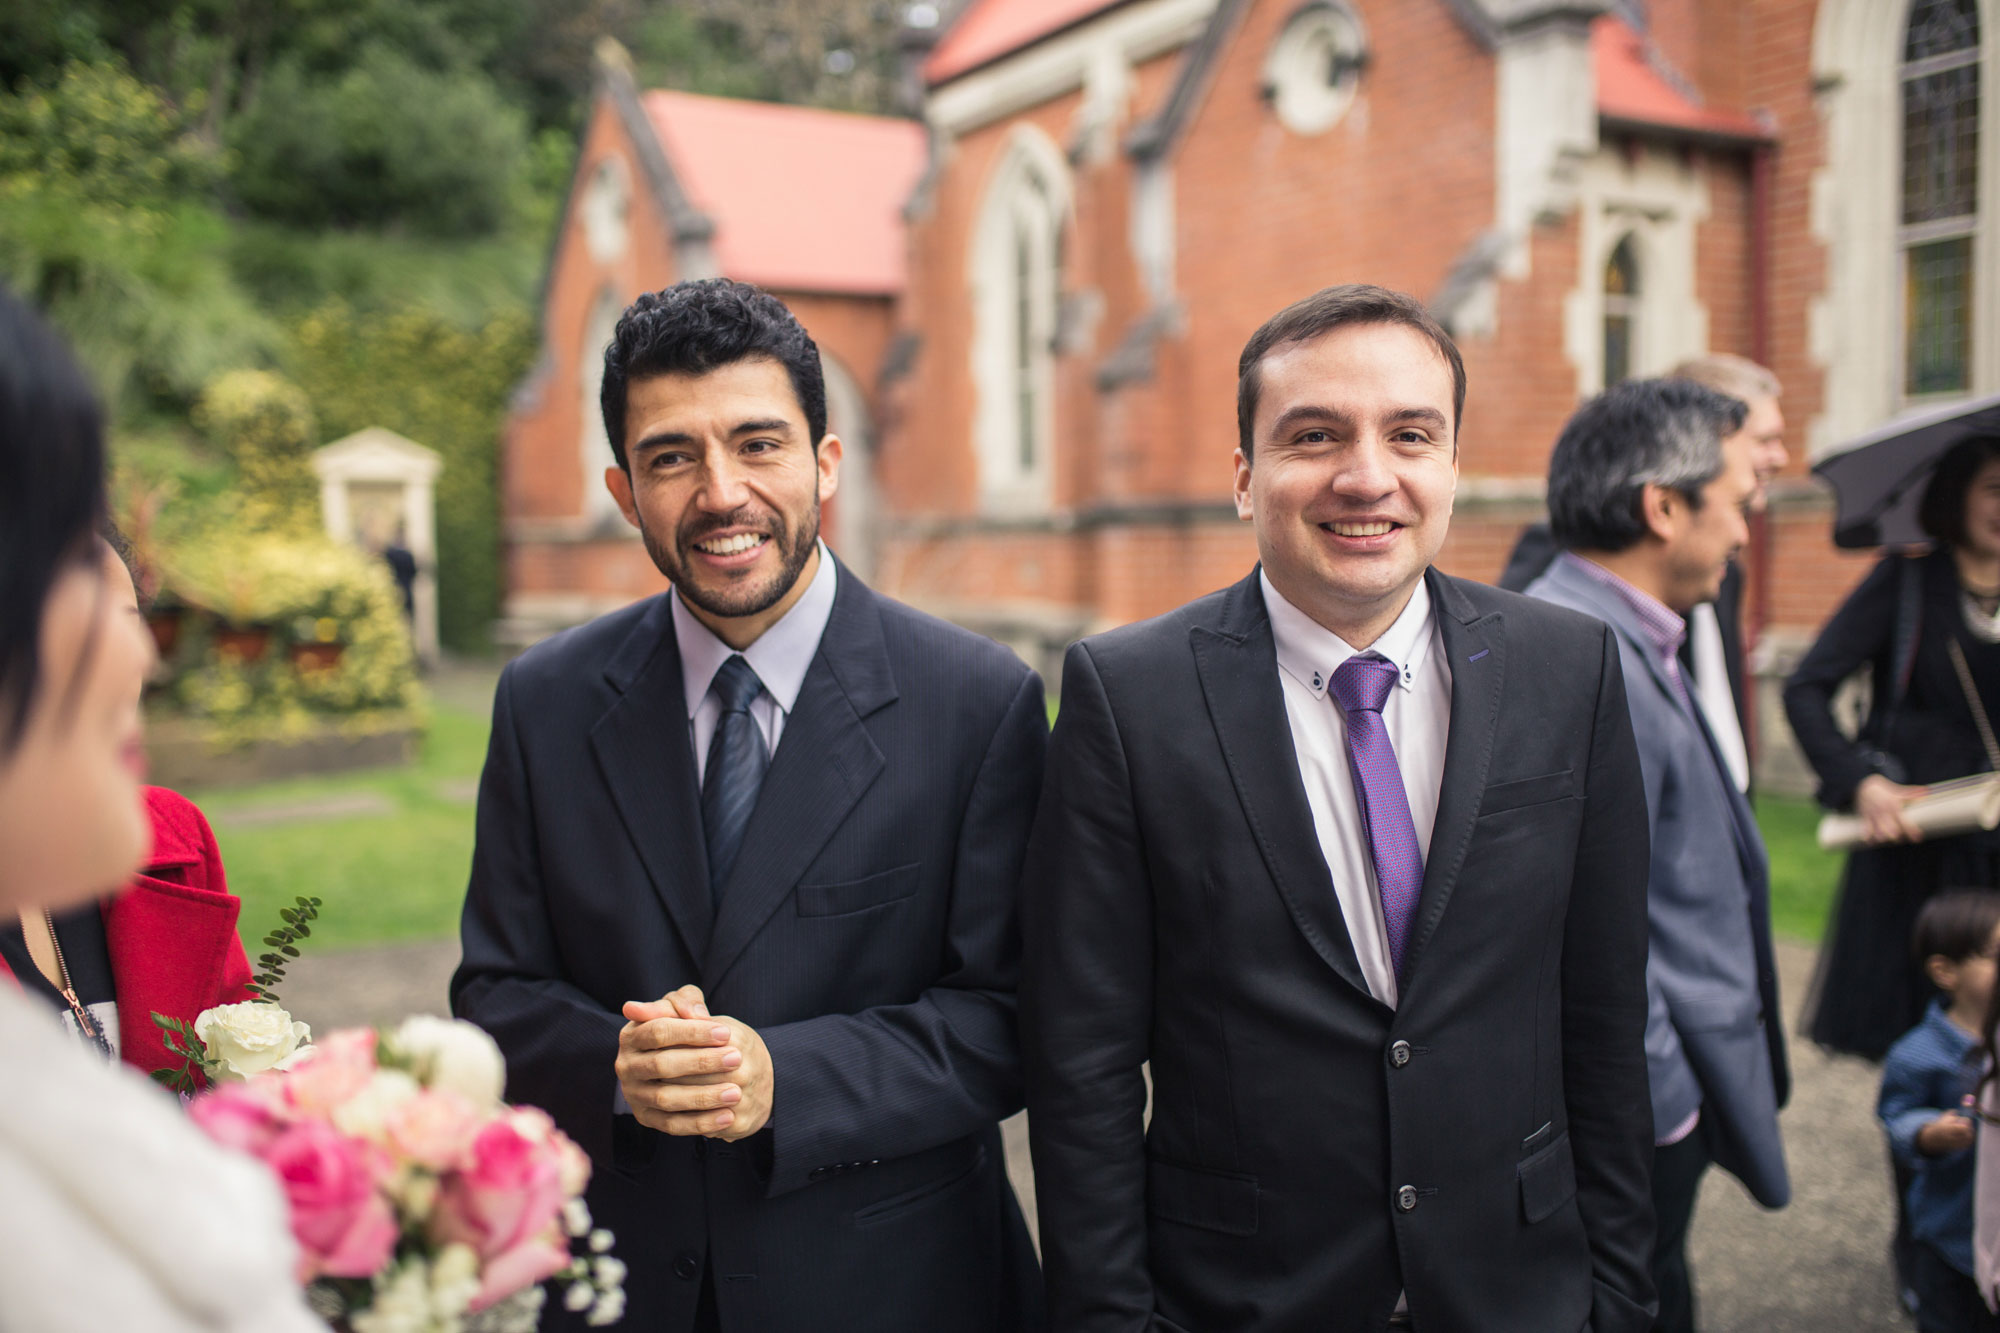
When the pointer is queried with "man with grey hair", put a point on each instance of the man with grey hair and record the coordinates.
(1647, 490)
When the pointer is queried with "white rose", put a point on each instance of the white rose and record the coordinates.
(366, 1113)
(249, 1038)
(402, 1301)
(453, 1055)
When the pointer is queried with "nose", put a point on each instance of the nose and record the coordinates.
(723, 486)
(1362, 471)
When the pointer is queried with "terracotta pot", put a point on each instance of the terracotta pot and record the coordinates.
(242, 645)
(317, 656)
(166, 628)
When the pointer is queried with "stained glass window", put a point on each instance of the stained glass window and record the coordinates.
(1940, 203)
(1621, 309)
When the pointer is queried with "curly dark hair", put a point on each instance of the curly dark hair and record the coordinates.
(692, 328)
(52, 502)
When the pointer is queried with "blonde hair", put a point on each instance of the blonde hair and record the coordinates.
(1726, 373)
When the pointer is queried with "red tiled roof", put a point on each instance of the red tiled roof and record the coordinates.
(1632, 90)
(802, 199)
(994, 28)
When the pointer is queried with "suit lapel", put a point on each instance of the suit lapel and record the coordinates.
(824, 761)
(1238, 664)
(643, 749)
(1475, 648)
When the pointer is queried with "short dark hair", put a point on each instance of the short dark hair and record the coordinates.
(1957, 924)
(1324, 311)
(1941, 511)
(52, 501)
(692, 328)
(1642, 432)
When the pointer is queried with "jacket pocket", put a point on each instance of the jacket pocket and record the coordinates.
(1548, 1179)
(883, 1210)
(858, 895)
(1527, 791)
(1195, 1196)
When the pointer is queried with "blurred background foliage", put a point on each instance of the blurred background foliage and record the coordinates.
(358, 195)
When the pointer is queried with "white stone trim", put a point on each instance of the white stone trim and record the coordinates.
(593, 445)
(1855, 327)
(1658, 197)
(1006, 207)
(1545, 129)
(1129, 35)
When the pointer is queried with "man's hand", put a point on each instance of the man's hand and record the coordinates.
(685, 1073)
(1880, 804)
(1949, 1133)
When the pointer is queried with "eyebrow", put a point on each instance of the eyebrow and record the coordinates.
(755, 426)
(1305, 412)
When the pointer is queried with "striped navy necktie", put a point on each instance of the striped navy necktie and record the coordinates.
(736, 764)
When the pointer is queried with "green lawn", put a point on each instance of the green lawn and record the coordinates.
(383, 876)
(400, 875)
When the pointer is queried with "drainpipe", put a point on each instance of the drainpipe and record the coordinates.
(1761, 168)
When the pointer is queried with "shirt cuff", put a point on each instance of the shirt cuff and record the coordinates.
(1680, 1131)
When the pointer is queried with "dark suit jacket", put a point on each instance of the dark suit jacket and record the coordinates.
(1537, 548)
(1714, 1039)
(868, 931)
(1485, 1146)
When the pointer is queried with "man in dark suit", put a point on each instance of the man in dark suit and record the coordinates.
(1648, 485)
(1712, 653)
(1352, 853)
(743, 913)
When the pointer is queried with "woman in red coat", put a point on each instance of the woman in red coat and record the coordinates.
(167, 945)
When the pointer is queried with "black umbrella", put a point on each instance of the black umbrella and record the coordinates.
(1879, 477)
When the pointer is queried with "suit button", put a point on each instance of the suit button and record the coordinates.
(1399, 1054)
(688, 1267)
(817, 1173)
(1406, 1198)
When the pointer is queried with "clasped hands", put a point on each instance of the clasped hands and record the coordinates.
(686, 1073)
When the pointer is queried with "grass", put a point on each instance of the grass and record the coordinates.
(398, 875)
(401, 875)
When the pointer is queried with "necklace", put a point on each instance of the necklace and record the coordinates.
(1982, 615)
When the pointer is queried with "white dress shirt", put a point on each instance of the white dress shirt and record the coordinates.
(1418, 718)
(1712, 690)
(780, 657)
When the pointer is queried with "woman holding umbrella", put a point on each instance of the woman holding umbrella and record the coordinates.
(1927, 626)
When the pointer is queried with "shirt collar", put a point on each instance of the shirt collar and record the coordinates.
(1954, 1037)
(781, 654)
(1310, 653)
(1664, 629)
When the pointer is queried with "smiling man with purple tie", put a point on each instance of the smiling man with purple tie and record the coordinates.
(1353, 855)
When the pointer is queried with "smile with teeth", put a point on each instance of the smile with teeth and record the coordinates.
(736, 545)
(1377, 529)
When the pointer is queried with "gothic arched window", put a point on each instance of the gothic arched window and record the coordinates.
(1017, 277)
(1621, 311)
(1940, 211)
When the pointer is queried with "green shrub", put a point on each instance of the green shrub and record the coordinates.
(264, 424)
(447, 388)
(384, 141)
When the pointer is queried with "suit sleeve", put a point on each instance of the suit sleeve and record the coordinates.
(898, 1079)
(561, 1045)
(1087, 1011)
(1604, 1018)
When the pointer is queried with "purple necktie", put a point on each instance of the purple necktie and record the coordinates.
(1360, 686)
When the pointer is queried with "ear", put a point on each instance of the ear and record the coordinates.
(620, 487)
(1942, 971)
(827, 459)
(1660, 509)
(1245, 510)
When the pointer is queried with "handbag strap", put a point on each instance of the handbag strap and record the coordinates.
(1972, 698)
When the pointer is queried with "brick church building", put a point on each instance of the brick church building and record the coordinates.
(1115, 193)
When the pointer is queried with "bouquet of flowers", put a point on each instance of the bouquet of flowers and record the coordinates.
(421, 1203)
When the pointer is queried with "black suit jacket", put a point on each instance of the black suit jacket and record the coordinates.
(1537, 549)
(868, 931)
(1485, 1146)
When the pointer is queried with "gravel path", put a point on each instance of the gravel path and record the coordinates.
(1820, 1265)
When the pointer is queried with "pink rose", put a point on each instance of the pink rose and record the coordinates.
(344, 1225)
(247, 1117)
(331, 1070)
(506, 1204)
(434, 1129)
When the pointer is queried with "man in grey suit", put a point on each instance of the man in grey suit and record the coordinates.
(1647, 488)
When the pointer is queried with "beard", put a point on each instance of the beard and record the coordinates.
(747, 597)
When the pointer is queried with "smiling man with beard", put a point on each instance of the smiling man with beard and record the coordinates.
(742, 912)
